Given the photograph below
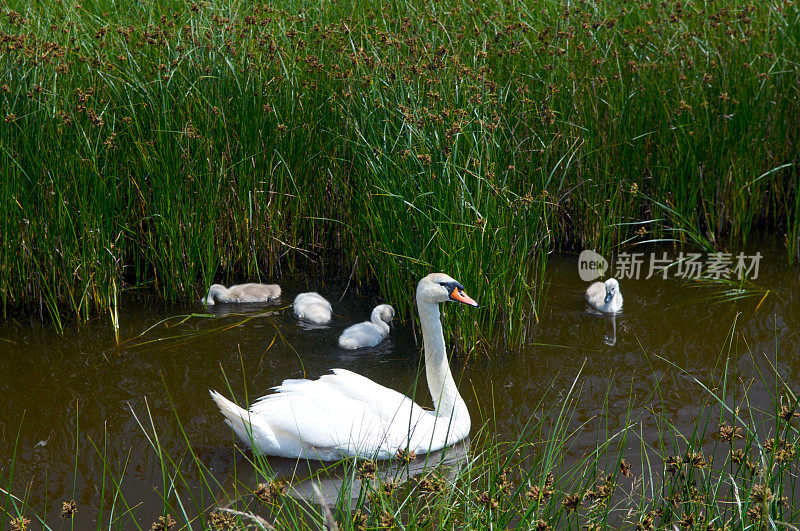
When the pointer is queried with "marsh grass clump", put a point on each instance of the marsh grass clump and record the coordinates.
(164, 146)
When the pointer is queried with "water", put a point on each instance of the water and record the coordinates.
(117, 394)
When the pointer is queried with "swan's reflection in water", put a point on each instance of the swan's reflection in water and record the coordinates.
(446, 462)
(245, 309)
(383, 350)
(610, 335)
(342, 482)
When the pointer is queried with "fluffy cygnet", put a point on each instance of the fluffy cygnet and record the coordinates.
(605, 296)
(242, 293)
(369, 333)
(312, 307)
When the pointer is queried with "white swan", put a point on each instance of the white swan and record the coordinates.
(242, 293)
(312, 307)
(369, 333)
(605, 296)
(344, 414)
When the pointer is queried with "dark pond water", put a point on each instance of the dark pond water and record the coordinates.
(73, 404)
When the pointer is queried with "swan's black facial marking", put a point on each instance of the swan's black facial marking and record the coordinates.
(450, 286)
(456, 293)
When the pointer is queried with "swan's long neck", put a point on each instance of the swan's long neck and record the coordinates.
(446, 400)
(377, 321)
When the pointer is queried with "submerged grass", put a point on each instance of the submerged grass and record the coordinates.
(734, 466)
(162, 145)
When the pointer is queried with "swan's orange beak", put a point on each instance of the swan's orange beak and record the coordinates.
(460, 296)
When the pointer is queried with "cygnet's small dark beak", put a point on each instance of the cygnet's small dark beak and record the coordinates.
(609, 296)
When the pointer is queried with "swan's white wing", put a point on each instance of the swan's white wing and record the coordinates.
(362, 389)
(402, 422)
(342, 413)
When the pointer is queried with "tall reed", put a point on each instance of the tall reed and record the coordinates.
(164, 145)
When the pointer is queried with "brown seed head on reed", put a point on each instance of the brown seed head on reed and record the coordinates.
(389, 487)
(729, 433)
(405, 456)
(360, 519)
(738, 456)
(788, 411)
(68, 508)
(164, 523)
(503, 483)
(695, 460)
(486, 499)
(432, 483)
(761, 494)
(270, 492)
(646, 523)
(19, 523)
(673, 464)
(367, 470)
(755, 512)
(571, 503)
(223, 521)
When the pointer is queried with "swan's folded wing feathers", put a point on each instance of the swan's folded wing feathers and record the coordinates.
(325, 422)
(343, 411)
(288, 385)
(362, 388)
(386, 404)
(344, 386)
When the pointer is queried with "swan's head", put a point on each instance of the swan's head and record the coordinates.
(438, 287)
(212, 292)
(612, 288)
(384, 312)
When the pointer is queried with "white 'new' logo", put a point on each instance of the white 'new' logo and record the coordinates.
(591, 265)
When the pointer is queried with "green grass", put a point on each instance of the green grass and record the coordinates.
(734, 466)
(159, 146)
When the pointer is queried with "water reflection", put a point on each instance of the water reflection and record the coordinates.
(610, 337)
(340, 481)
(384, 348)
(244, 308)
(323, 485)
(610, 319)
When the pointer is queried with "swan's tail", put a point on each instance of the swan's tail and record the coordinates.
(235, 417)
